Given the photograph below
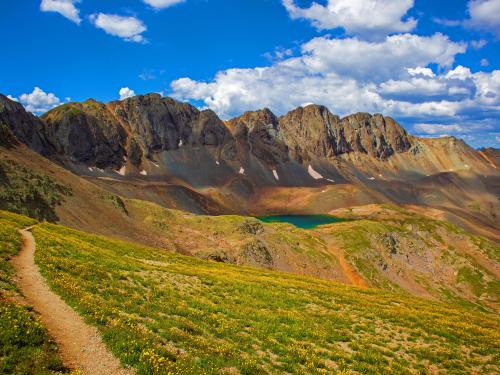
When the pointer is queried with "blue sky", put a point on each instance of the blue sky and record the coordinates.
(432, 65)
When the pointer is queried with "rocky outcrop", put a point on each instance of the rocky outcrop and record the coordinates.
(258, 133)
(25, 126)
(310, 132)
(163, 124)
(86, 133)
(106, 135)
(314, 132)
(256, 253)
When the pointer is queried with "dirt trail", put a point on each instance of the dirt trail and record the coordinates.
(353, 275)
(80, 344)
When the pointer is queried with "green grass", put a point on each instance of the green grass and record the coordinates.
(25, 347)
(162, 312)
(433, 257)
(29, 193)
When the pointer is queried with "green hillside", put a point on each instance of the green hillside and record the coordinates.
(162, 312)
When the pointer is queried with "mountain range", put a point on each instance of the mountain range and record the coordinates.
(152, 148)
(161, 173)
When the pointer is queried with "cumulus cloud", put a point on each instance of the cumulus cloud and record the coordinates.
(484, 15)
(39, 101)
(344, 74)
(378, 60)
(125, 93)
(160, 4)
(65, 8)
(420, 71)
(368, 18)
(127, 28)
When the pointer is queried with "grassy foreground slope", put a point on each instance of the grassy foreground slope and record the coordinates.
(162, 312)
(25, 347)
(387, 246)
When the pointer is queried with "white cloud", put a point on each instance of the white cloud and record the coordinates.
(39, 101)
(160, 4)
(368, 18)
(488, 89)
(435, 129)
(484, 62)
(125, 93)
(279, 53)
(484, 15)
(446, 22)
(478, 44)
(419, 71)
(128, 28)
(12, 98)
(378, 60)
(66, 8)
(460, 72)
(343, 74)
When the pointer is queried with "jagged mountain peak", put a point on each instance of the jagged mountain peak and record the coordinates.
(134, 130)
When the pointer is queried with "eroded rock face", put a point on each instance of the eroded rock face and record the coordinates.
(26, 127)
(105, 135)
(310, 132)
(314, 131)
(253, 227)
(258, 133)
(86, 133)
(256, 253)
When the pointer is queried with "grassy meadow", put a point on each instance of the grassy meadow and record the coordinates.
(25, 347)
(161, 313)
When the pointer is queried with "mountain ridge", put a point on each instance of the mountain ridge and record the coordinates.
(148, 143)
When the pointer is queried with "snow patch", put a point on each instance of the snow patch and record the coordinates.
(242, 170)
(371, 178)
(91, 169)
(313, 173)
(100, 170)
(180, 143)
(144, 173)
(122, 171)
(329, 179)
(276, 175)
(217, 162)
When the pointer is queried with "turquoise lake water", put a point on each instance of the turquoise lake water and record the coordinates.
(301, 221)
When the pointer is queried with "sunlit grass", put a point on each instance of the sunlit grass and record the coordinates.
(162, 312)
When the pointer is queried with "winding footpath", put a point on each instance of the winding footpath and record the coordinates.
(80, 345)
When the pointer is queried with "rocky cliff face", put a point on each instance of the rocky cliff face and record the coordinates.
(86, 133)
(257, 144)
(314, 131)
(107, 135)
(26, 127)
(258, 133)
